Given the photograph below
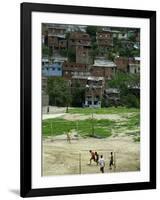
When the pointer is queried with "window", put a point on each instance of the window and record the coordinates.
(53, 68)
(59, 69)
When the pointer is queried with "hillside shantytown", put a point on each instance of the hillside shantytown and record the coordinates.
(90, 66)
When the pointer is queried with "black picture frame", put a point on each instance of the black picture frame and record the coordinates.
(26, 104)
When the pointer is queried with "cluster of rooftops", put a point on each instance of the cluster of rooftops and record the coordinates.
(91, 72)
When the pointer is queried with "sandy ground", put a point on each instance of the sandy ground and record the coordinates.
(60, 157)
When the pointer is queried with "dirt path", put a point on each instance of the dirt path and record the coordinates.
(52, 116)
(60, 157)
(73, 117)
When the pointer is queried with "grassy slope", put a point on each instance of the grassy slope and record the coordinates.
(110, 110)
(102, 128)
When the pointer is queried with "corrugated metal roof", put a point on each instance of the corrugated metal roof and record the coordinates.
(112, 91)
(103, 63)
(57, 35)
(94, 78)
(137, 58)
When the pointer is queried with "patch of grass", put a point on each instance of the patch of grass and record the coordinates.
(129, 123)
(101, 133)
(133, 121)
(89, 127)
(136, 139)
(109, 110)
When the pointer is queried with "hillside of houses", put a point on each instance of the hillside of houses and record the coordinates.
(89, 66)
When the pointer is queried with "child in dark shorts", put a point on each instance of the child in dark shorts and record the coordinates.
(96, 157)
(92, 156)
(111, 161)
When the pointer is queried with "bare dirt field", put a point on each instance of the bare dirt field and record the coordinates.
(61, 157)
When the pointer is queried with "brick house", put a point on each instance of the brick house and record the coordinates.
(103, 68)
(74, 69)
(104, 41)
(121, 63)
(81, 43)
(94, 91)
(57, 37)
(79, 39)
(94, 87)
(83, 55)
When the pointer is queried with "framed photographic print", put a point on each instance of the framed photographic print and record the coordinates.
(88, 99)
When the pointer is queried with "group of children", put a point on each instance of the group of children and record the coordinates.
(100, 160)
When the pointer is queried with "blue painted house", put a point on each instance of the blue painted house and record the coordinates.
(54, 69)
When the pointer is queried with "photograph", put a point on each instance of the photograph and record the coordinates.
(90, 91)
(88, 99)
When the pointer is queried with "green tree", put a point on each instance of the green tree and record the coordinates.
(127, 84)
(46, 51)
(78, 94)
(59, 92)
(91, 30)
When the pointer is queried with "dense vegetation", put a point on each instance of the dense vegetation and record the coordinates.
(59, 92)
(129, 87)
